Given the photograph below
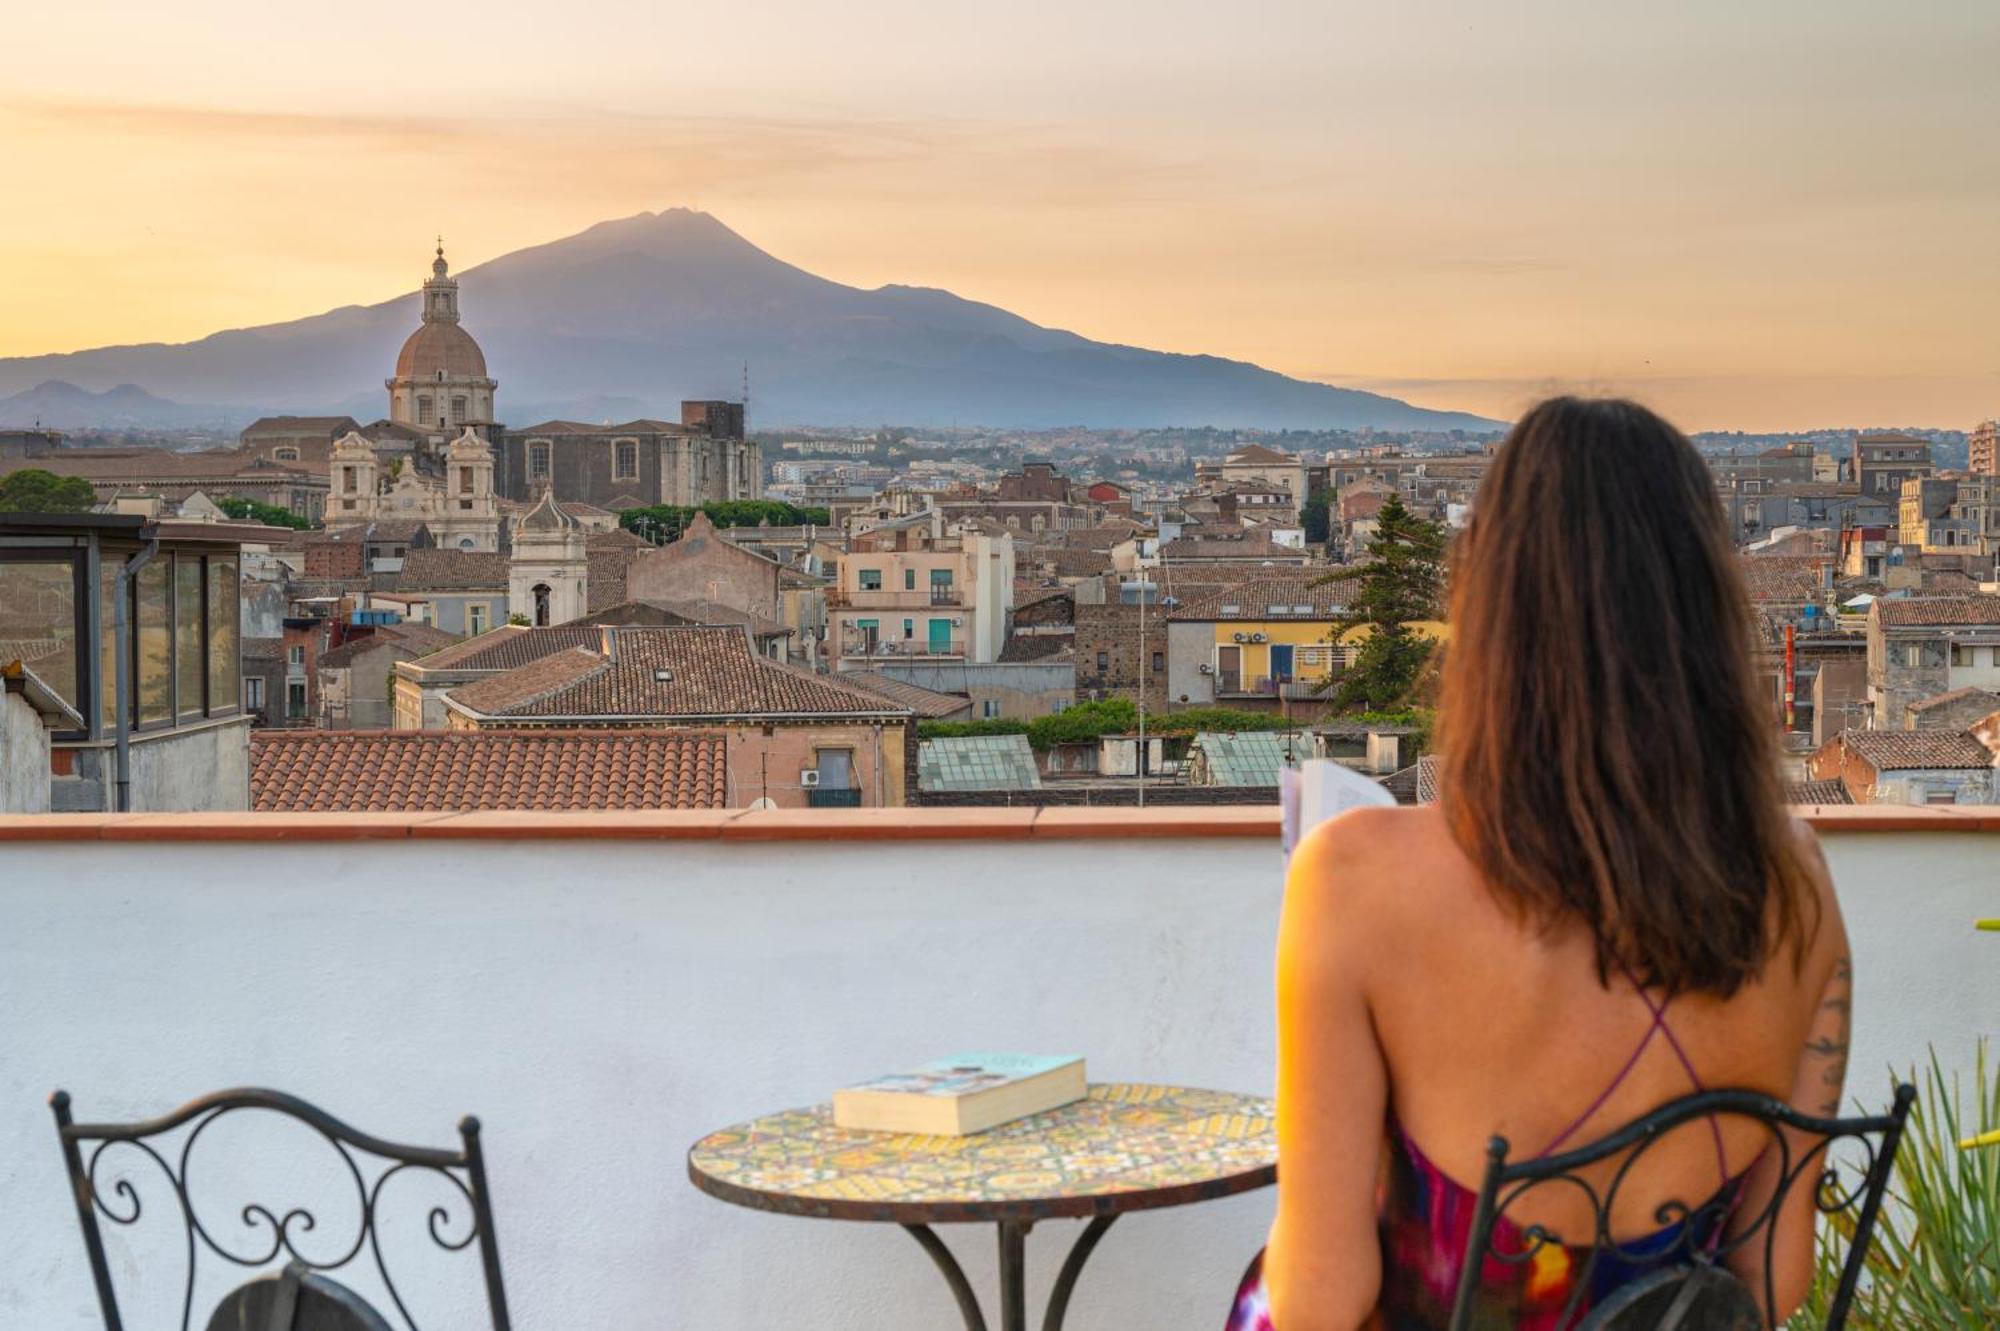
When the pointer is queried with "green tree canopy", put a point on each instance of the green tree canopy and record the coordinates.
(661, 523)
(1315, 516)
(271, 515)
(32, 490)
(1401, 583)
(1088, 721)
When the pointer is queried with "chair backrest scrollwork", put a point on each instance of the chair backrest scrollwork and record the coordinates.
(163, 1150)
(1688, 1283)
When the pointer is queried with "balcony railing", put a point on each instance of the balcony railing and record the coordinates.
(601, 1022)
(856, 646)
(897, 599)
(834, 797)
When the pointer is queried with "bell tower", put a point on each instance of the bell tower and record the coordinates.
(441, 292)
(354, 484)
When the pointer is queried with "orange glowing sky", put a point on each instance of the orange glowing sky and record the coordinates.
(1778, 215)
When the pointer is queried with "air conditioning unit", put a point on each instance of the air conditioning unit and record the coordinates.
(1242, 637)
(1259, 637)
(1207, 669)
(809, 777)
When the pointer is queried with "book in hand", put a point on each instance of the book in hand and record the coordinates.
(963, 1094)
(1319, 789)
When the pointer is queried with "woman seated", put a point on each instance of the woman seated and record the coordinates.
(1607, 908)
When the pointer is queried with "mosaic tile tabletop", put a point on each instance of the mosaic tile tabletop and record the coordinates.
(1125, 1147)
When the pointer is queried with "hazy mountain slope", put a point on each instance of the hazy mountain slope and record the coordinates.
(658, 307)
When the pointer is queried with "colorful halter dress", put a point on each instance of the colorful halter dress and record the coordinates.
(1426, 1228)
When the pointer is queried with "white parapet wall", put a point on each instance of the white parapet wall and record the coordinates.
(602, 1000)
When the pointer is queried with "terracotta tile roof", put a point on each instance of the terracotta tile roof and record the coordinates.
(415, 639)
(1817, 792)
(1949, 582)
(924, 702)
(1068, 563)
(300, 424)
(524, 687)
(674, 614)
(452, 570)
(1035, 596)
(158, 464)
(1105, 535)
(510, 646)
(1253, 598)
(1901, 750)
(605, 574)
(1917, 611)
(1787, 579)
(709, 672)
(1956, 695)
(331, 771)
(1257, 454)
(396, 529)
(616, 538)
(1250, 545)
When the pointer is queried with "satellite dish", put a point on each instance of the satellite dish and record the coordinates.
(766, 803)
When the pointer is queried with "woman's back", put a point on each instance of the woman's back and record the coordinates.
(1607, 909)
(1434, 1017)
(1488, 1024)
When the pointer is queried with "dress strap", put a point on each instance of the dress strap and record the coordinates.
(1658, 1026)
(1638, 1052)
(1659, 1012)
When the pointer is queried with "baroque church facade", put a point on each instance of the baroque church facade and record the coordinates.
(431, 460)
(441, 456)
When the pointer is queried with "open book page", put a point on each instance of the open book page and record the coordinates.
(1319, 789)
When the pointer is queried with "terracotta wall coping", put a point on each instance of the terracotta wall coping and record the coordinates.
(1256, 823)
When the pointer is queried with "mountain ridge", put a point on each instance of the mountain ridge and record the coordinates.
(657, 307)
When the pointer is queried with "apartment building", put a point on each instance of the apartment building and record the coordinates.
(911, 588)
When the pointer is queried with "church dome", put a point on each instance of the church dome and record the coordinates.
(443, 347)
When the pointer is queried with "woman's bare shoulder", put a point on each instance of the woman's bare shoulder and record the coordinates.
(1353, 858)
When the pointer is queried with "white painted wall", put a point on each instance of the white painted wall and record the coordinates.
(602, 1004)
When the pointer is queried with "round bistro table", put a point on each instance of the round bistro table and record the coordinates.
(1125, 1147)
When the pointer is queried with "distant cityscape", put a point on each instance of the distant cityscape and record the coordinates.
(439, 609)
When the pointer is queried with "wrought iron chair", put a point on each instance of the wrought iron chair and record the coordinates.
(295, 1300)
(1691, 1289)
(315, 1303)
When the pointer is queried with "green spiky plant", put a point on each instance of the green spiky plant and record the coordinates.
(1935, 1261)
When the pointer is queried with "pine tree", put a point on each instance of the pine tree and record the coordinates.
(33, 490)
(1401, 583)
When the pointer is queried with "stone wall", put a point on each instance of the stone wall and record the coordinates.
(702, 566)
(24, 757)
(1108, 652)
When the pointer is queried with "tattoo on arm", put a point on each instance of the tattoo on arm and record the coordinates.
(1827, 1039)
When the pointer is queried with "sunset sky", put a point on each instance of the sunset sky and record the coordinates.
(1772, 215)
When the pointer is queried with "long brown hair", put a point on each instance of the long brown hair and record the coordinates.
(1606, 752)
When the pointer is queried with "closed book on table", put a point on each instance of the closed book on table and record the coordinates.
(963, 1094)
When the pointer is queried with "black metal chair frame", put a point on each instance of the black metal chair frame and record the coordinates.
(464, 1168)
(1505, 1183)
